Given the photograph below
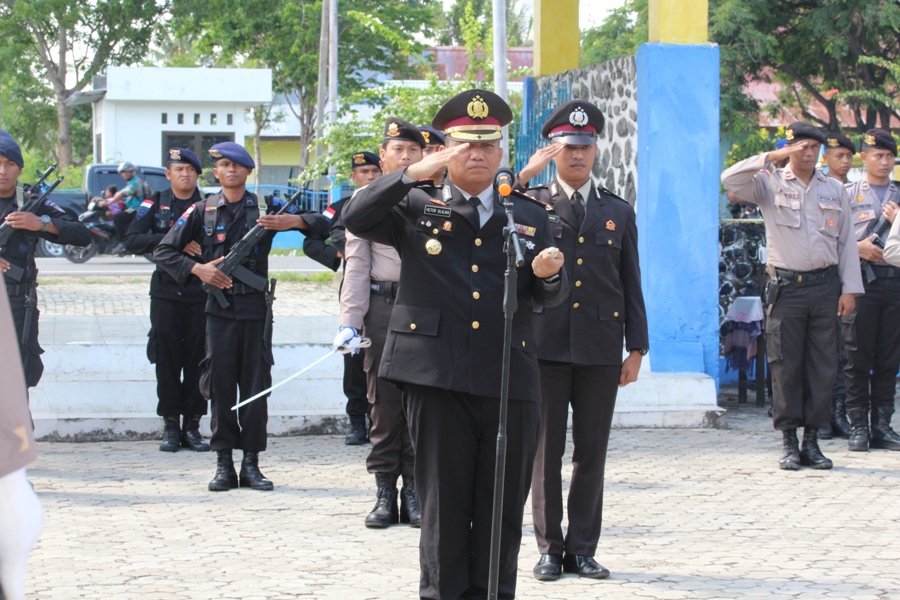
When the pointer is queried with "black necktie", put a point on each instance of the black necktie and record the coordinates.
(579, 208)
(475, 201)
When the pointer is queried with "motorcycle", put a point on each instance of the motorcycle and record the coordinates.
(103, 236)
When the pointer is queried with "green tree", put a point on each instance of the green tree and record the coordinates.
(621, 32)
(64, 43)
(519, 22)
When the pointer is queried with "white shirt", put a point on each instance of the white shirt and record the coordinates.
(584, 190)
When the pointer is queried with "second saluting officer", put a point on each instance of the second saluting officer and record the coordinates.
(177, 312)
(580, 341)
(445, 340)
(238, 355)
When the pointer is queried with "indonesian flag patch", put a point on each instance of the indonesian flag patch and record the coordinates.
(329, 213)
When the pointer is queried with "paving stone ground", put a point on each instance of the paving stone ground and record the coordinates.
(688, 514)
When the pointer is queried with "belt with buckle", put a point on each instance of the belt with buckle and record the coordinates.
(805, 277)
(388, 289)
(885, 271)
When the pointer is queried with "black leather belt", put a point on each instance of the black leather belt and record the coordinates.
(240, 289)
(388, 289)
(804, 277)
(19, 289)
(885, 271)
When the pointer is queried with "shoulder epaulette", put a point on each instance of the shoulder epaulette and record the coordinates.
(609, 193)
(541, 203)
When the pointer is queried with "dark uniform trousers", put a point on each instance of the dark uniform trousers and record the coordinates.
(802, 351)
(33, 366)
(236, 358)
(592, 390)
(355, 385)
(392, 450)
(176, 347)
(454, 435)
(872, 337)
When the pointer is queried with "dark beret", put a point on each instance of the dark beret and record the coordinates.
(473, 116)
(576, 122)
(397, 129)
(880, 139)
(10, 149)
(233, 152)
(364, 158)
(838, 140)
(432, 136)
(801, 130)
(183, 155)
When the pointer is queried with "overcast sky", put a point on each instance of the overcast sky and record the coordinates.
(591, 12)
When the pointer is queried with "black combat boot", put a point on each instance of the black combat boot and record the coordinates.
(859, 423)
(790, 457)
(171, 436)
(225, 478)
(825, 432)
(810, 454)
(409, 505)
(250, 475)
(385, 512)
(883, 437)
(840, 426)
(358, 434)
(190, 434)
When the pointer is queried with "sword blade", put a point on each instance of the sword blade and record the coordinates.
(284, 381)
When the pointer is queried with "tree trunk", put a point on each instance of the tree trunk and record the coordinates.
(64, 133)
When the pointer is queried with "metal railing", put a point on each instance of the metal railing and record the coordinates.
(309, 200)
(537, 104)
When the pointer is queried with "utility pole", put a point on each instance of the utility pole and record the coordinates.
(499, 14)
(333, 84)
(322, 89)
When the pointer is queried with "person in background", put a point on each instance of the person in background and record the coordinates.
(434, 141)
(132, 195)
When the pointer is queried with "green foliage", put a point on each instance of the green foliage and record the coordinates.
(519, 22)
(621, 32)
(756, 142)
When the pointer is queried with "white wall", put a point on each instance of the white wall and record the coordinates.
(246, 86)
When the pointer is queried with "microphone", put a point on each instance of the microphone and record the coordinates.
(503, 181)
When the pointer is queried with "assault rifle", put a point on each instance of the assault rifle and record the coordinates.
(879, 230)
(31, 205)
(232, 266)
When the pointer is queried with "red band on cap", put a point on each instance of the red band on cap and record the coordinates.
(572, 129)
(462, 121)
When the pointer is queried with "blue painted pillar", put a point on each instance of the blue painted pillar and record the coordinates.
(678, 203)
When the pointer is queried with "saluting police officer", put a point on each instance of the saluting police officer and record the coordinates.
(177, 312)
(434, 142)
(326, 245)
(238, 355)
(580, 341)
(17, 257)
(813, 266)
(872, 331)
(367, 297)
(445, 340)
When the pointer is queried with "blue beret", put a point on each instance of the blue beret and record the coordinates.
(183, 155)
(361, 159)
(4, 133)
(432, 136)
(10, 149)
(233, 152)
(780, 144)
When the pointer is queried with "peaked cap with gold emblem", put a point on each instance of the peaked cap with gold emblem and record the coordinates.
(576, 122)
(473, 116)
(397, 129)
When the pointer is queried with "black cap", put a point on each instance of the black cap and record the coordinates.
(10, 149)
(233, 152)
(801, 130)
(361, 159)
(838, 140)
(396, 129)
(432, 136)
(575, 122)
(183, 155)
(473, 116)
(879, 139)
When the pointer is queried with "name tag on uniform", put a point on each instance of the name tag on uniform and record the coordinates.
(829, 199)
(438, 211)
(553, 218)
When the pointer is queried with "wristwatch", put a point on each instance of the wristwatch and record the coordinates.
(45, 221)
(643, 351)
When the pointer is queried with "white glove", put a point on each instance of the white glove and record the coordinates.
(346, 340)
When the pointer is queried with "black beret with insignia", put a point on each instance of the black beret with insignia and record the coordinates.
(838, 140)
(361, 159)
(473, 116)
(879, 139)
(432, 136)
(576, 122)
(183, 155)
(801, 130)
(396, 129)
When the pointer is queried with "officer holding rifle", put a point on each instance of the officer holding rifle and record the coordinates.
(235, 240)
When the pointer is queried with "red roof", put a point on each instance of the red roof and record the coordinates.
(451, 61)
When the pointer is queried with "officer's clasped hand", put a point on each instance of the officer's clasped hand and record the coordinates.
(547, 263)
(347, 340)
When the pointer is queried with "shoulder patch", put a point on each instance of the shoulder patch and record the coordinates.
(328, 213)
(184, 217)
(609, 193)
(144, 208)
(540, 203)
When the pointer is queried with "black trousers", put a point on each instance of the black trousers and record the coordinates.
(122, 221)
(176, 347)
(236, 358)
(32, 364)
(872, 337)
(839, 389)
(802, 351)
(355, 385)
(455, 439)
(591, 391)
(392, 450)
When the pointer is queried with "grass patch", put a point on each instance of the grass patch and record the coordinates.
(324, 277)
(286, 252)
(75, 280)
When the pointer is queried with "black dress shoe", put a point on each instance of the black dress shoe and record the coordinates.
(171, 436)
(585, 566)
(549, 568)
(251, 477)
(190, 435)
(225, 478)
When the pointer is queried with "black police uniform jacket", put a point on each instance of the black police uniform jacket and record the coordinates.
(155, 217)
(228, 230)
(601, 258)
(326, 228)
(17, 251)
(446, 330)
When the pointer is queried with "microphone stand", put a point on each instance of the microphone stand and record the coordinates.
(514, 258)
